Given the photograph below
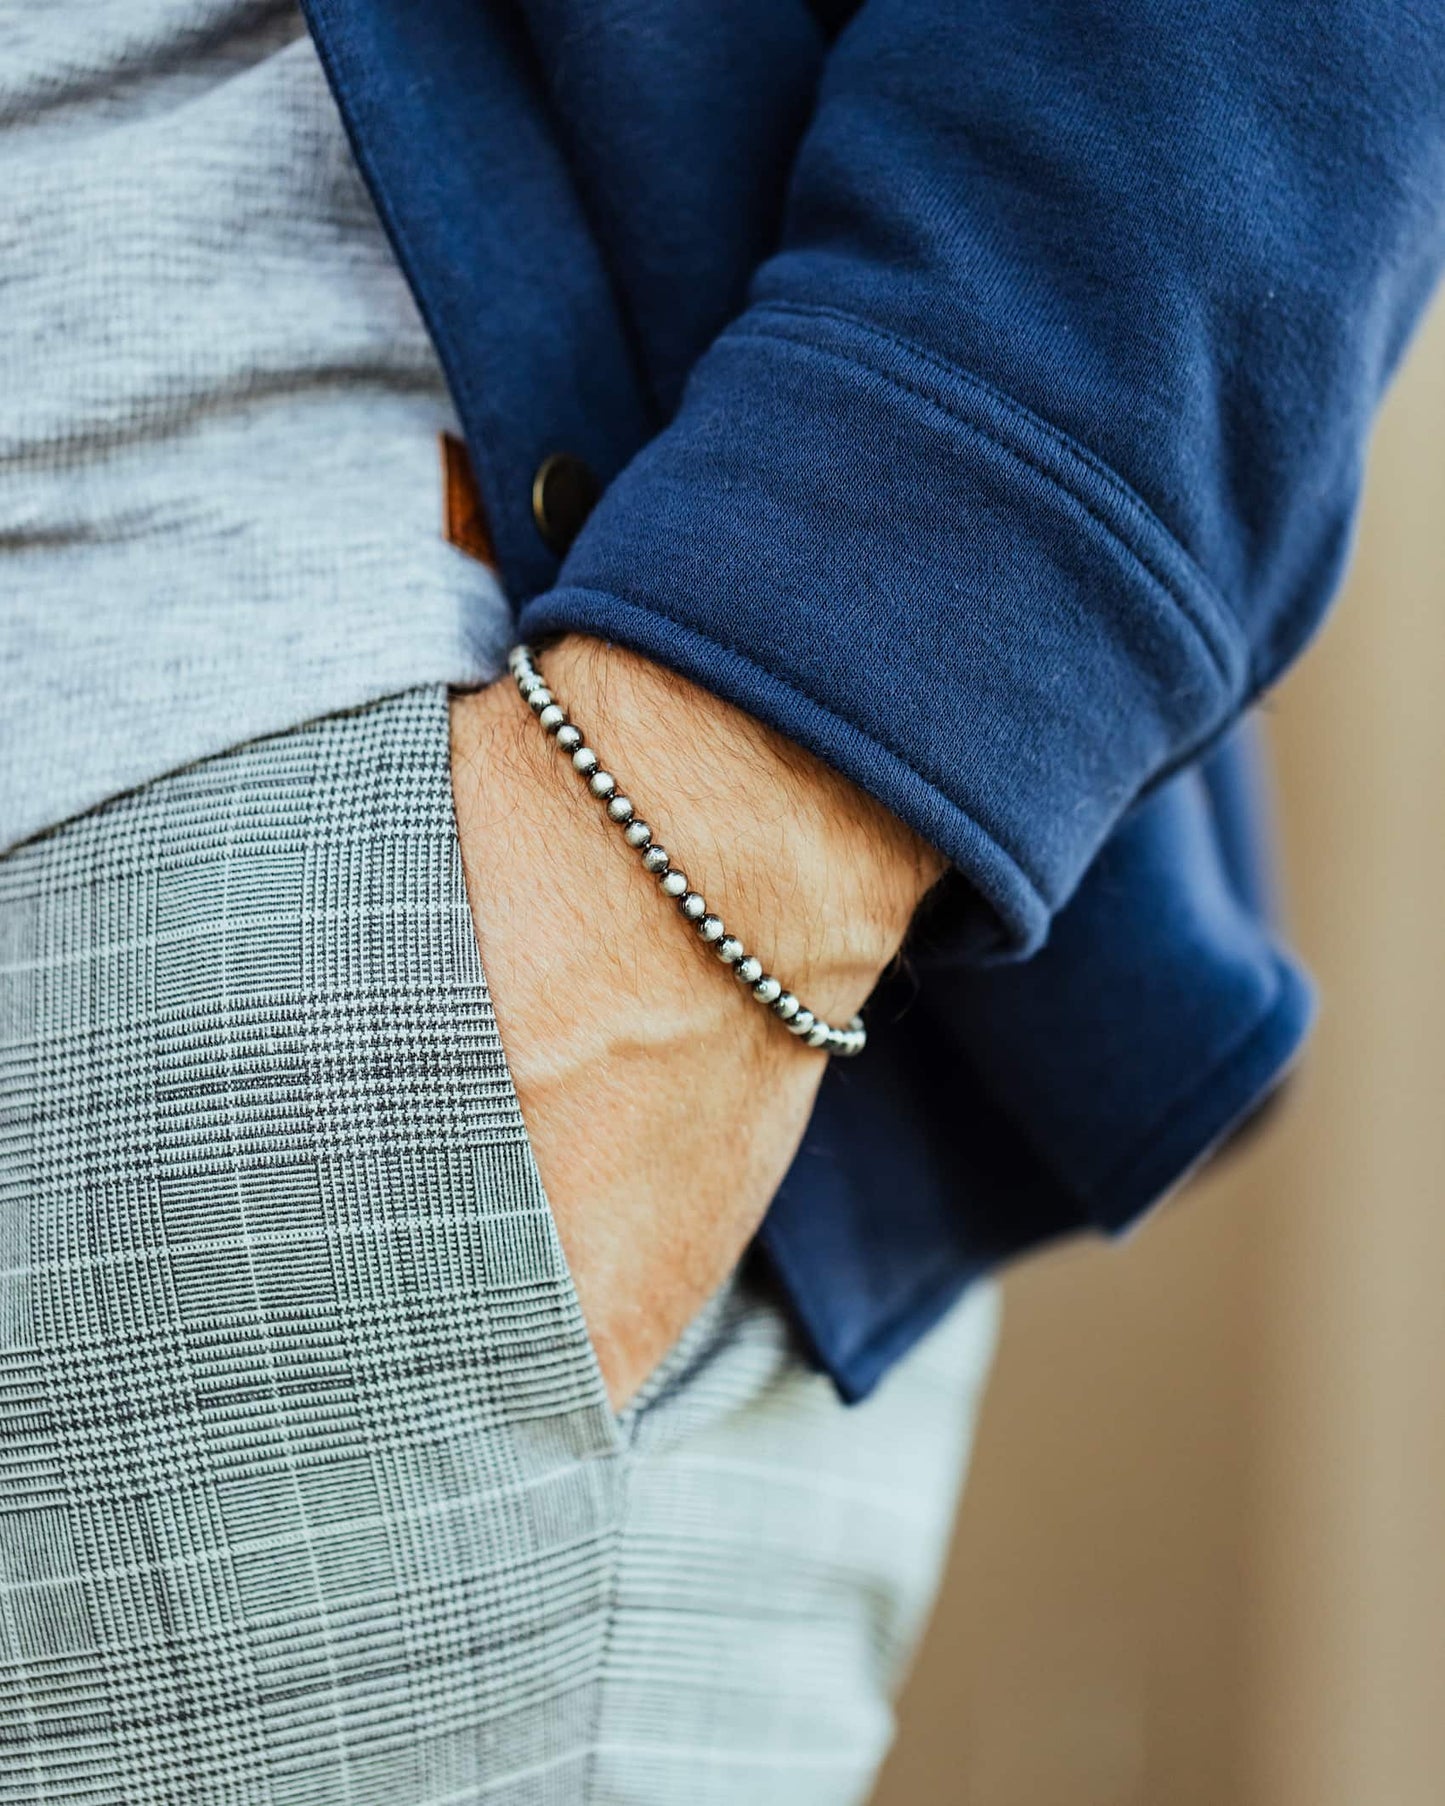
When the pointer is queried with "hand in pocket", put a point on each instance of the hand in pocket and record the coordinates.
(662, 1104)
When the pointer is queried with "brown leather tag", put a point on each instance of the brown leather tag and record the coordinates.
(464, 519)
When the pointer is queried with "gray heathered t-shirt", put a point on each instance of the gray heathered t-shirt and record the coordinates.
(220, 496)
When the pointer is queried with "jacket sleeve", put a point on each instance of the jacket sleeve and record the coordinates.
(1035, 452)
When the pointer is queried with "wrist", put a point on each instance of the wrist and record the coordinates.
(818, 877)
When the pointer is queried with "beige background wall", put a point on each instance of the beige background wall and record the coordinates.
(1202, 1558)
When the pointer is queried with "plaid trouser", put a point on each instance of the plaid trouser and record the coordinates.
(309, 1487)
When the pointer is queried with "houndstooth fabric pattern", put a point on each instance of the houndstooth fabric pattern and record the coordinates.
(309, 1487)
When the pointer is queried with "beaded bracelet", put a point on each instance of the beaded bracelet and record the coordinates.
(766, 990)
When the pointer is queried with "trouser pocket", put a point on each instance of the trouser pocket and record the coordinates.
(315, 1486)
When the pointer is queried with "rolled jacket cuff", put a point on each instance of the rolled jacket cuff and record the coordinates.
(923, 583)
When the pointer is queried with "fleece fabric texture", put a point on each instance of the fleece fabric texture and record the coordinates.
(981, 394)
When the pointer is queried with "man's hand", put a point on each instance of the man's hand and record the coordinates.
(663, 1105)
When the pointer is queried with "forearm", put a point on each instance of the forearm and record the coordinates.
(663, 1107)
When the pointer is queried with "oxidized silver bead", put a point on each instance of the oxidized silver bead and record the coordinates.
(748, 969)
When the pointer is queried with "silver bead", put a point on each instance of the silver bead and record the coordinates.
(620, 808)
(729, 950)
(801, 1023)
(539, 698)
(693, 906)
(786, 1006)
(569, 737)
(817, 1034)
(674, 884)
(529, 681)
(655, 859)
(584, 760)
(519, 658)
(552, 717)
(711, 928)
(602, 783)
(767, 989)
(637, 834)
(748, 971)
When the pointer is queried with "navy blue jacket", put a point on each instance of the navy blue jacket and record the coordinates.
(980, 393)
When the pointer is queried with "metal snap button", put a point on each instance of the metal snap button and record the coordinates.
(564, 493)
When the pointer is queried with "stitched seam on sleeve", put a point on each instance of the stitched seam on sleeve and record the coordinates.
(753, 327)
